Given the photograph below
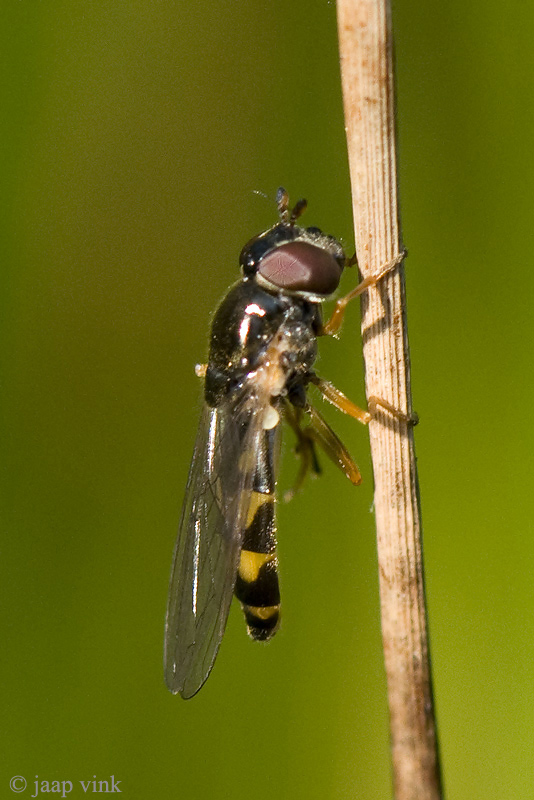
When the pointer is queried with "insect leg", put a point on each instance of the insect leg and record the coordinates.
(305, 448)
(333, 447)
(342, 403)
(334, 323)
(256, 584)
(376, 403)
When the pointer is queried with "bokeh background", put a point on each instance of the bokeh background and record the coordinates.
(134, 137)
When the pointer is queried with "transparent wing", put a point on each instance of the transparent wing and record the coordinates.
(209, 540)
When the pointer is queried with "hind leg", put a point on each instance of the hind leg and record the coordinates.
(318, 432)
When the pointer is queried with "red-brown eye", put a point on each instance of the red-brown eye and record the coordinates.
(301, 267)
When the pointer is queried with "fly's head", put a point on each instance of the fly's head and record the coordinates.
(298, 261)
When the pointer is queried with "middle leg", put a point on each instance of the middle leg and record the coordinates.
(342, 403)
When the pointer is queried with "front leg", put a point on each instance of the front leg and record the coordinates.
(334, 323)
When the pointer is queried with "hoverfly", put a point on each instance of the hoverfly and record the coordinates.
(262, 351)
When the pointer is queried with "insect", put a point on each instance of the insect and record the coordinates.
(262, 351)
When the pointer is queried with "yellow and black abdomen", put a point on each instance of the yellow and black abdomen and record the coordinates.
(256, 585)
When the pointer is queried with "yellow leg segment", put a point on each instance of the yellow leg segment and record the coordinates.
(342, 403)
(336, 320)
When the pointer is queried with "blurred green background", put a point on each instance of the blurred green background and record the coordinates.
(134, 137)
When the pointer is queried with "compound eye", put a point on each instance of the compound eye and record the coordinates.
(301, 267)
